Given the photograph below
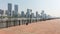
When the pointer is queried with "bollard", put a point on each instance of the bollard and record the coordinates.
(27, 22)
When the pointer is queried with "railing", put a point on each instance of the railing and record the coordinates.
(5, 23)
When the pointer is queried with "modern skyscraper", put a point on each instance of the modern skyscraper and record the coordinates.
(43, 15)
(36, 14)
(32, 15)
(16, 10)
(6, 12)
(9, 9)
(13, 13)
(22, 14)
(42, 12)
(1, 12)
(28, 13)
(48, 16)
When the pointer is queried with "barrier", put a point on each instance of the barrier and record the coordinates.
(18, 21)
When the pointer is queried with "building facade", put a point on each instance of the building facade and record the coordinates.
(32, 15)
(36, 14)
(22, 14)
(16, 10)
(9, 9)
(28, 13)
(1, 12)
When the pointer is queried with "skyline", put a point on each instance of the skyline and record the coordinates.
(51, 7)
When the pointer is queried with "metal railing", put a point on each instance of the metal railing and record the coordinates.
(5, 23)
(15, 22)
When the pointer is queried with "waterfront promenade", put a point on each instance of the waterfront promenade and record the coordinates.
(41, 27)
(9, 22)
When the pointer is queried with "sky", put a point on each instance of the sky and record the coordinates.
(51, 7)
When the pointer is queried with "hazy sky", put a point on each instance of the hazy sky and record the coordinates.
(51, 7)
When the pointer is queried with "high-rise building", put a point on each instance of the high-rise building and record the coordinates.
(32, 15)
(36, 14)
(42, 12)
(28, 13)
(1, 12)
(43, 15)
(22, 14)
(9, 9)
(13, 13)
(48, 16)
(16, 10)
(6, 12)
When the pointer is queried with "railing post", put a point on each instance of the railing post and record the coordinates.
(7, 24)
(14, 22)
(22, 22)
(19, 22)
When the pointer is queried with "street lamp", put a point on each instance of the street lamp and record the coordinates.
(30, 15)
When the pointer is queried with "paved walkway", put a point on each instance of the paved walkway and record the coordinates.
(43, 27)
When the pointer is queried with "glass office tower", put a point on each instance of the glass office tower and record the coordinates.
(16, 10)
(9, 9)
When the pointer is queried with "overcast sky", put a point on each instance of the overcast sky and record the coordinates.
(51, 7)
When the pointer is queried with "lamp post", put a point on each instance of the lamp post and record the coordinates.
(30, 16)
